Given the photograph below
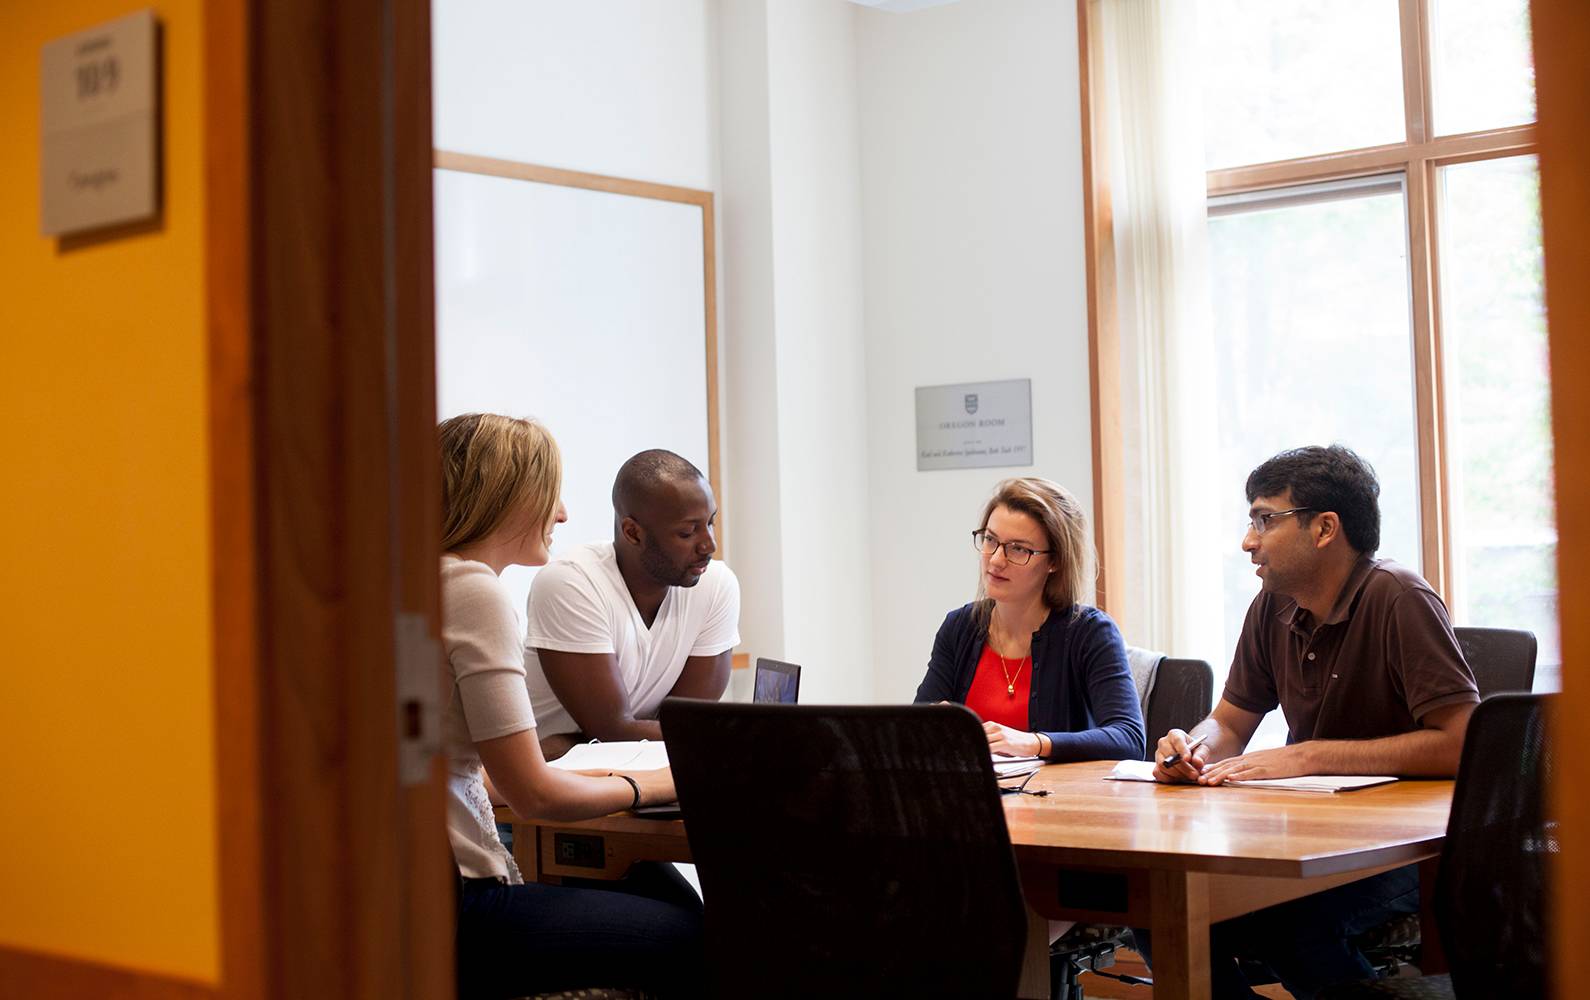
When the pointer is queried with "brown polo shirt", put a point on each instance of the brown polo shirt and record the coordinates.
(1382, 659)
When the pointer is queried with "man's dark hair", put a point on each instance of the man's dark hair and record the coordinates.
(640, 478)
(1333, 478)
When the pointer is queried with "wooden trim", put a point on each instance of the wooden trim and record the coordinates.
(1427, 381)
(1104, 337)
(468, 163)
(1445, 582)
(1415, 22)
(714, 459)
(1562, 80)
(1373, 160)
(233, 487)
(38, 976)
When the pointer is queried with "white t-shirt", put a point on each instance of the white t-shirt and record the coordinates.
(579, 604)
(487, 699)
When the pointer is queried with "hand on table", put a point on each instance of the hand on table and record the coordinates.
(1011, 742)
(1280, 762)
(1189, 768)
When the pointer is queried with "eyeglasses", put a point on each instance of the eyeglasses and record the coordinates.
(1260, 523)
(1016, 553)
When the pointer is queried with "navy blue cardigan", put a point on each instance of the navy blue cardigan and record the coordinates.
(1082, 697)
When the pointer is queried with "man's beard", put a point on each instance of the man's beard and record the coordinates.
(659, 568)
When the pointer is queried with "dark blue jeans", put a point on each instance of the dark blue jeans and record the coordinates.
(641, 932)
(1306, 942)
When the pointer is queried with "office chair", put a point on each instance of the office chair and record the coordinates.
(1180, 697)
(1490, 891)
(1502, 659)
(847, 851)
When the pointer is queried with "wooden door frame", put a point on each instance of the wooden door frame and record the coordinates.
(1562, 82)
(355, 890)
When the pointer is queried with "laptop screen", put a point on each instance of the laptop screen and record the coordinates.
(776, 682)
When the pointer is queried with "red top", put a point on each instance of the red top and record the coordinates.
(990, 696)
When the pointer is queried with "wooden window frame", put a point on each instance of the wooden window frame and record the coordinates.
(1419, 158)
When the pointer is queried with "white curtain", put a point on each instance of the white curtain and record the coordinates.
(1149, 117)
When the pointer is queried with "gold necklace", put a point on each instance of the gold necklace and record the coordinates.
(1010, 682)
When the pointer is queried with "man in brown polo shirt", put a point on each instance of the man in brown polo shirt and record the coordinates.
(1359, 655)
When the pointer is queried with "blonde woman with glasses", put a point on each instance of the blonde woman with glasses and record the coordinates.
(1045, 672)
(501, 480)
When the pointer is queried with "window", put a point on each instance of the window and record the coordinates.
(1498, 419)
(1286, 78)
(1375, 261)
(1311, 311)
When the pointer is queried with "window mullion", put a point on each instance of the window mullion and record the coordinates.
(1428, 377)
(1416, 76)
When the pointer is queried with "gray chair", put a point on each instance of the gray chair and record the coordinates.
(1503, 659)
(1181, 697)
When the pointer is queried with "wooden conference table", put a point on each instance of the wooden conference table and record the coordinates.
(1173, 858)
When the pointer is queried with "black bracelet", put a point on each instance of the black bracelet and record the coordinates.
(634, 787)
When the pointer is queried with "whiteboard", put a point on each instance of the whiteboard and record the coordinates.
(584, 309)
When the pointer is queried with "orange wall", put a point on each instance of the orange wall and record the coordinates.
(108, 809)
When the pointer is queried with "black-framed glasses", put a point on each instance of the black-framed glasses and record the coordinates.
(1020, 789)
(1016, 553)
(1260, 523)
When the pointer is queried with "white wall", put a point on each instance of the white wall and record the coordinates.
(899, 204)
(749, 424)
(618, 87)
(793, 295)
(972, 207)
(817, 266)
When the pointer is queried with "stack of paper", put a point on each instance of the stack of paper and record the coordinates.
(1318, 782)
(625, 755)
(1143, 770)
(1015, 767)
(1132, 770)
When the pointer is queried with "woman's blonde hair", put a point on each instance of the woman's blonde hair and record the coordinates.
(493, 468)
(1065, 527)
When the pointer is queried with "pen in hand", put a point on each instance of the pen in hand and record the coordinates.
(1176, 758)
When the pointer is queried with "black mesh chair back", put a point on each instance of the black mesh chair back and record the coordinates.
(1181, 697)
(848, 851)
(1490, 895)
(1503, 659)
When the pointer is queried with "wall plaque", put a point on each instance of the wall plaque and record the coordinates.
(99, 156)
(974, 425)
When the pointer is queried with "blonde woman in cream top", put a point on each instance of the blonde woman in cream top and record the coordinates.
(501, 478)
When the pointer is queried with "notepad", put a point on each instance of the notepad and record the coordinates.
(1319, 782)
(1015, 767)
(1143, 770)
(1132, 770)
(628, 755)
